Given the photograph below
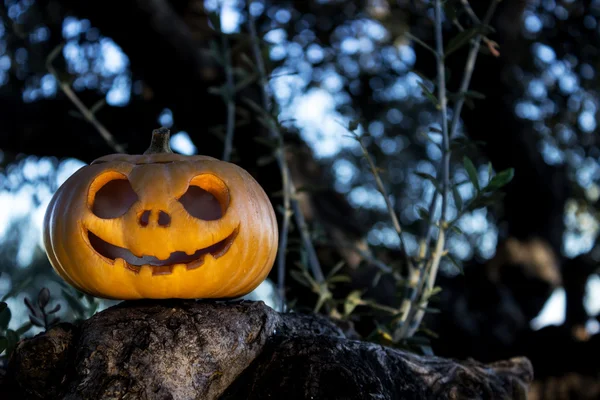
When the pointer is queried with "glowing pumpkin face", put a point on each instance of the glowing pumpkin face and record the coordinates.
(161, 225)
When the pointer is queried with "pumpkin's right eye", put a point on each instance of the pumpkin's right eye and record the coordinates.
(113, 199)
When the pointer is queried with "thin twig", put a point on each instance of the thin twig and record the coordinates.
(414, 311)
(470, 67)
(470, 12)
(428, 280)
(287, 213)
(87, 114)
(464, 86)
(229, 94)
(289, 190)
(420, 42)
(386, 197)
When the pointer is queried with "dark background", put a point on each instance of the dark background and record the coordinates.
(140, 64)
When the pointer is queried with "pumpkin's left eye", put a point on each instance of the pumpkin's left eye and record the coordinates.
(113, 199)
(207, 198)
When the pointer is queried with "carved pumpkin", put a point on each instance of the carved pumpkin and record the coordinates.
(161, 225)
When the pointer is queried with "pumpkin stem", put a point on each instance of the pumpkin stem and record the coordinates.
(160, 141)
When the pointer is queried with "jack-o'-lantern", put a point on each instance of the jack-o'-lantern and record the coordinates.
(161, 225)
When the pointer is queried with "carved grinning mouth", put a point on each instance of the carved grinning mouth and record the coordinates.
(161, 267)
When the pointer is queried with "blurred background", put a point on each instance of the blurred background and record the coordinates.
(522, 276)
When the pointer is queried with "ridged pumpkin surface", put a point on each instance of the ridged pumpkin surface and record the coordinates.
(161, 226)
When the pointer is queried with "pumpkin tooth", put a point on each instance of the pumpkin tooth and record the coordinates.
(134, 268)
(195, 264)
(162, 270)
(146, 270)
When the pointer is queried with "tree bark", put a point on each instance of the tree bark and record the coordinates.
(237, 350)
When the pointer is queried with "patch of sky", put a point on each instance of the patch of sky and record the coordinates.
(537, 89)
(113, 60)
(315, 53)
(120, 92)
(275, 36)
(592, 297)
(552, 155)
(532, 22)
(587, 121)
(474, 222)
(590, 22)
(367, 197)
(568, 83)
(230, 16)
(345, 171)
(319, 122)
(544, 52)
(488, 241)
(39, 34)
(73, 27)
(256, 8)
(459, 248)
(553, 312)
(165, 118)
(182, 143)
(528, 110)
(581, 230)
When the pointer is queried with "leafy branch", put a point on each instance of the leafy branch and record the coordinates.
(38, 314)
(87, 113)
(290, 202)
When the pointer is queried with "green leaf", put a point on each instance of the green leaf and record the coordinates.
(352, 301)
(500, 179)
(457, 229)
(490, 171)
(471, 171)
(463, 38)
(423, 213)
(457, 198)
(353, 125)
(43, 297)
(3, 344)
(5, 317)
(430, 178)
(475, 95)
(3, 306)
(429, 94)
(436, 130)
(430, 293)
(455, 263)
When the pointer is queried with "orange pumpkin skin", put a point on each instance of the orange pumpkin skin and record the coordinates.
(224, 257)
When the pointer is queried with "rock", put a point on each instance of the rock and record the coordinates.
(237, 350)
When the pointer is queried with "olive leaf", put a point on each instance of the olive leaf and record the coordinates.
(457, 197)
(500, 179)
(43, 297)
(472, 172)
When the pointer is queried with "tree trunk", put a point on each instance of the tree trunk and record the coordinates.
(236, 350)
